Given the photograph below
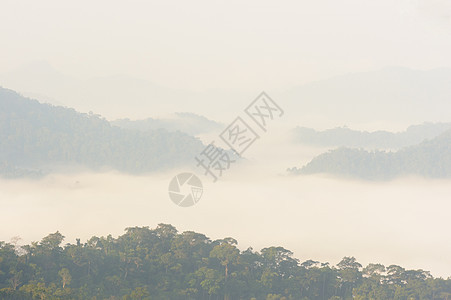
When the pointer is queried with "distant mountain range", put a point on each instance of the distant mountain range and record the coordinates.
(392, 94)
(139, 98)
(186, 122)
(36, 137)
(346, 137)
(431, 158)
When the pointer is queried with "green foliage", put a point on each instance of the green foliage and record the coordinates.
(161, 263)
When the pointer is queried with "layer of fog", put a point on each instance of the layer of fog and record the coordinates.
(404, 222)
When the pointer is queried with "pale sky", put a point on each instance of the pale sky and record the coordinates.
(201, 45)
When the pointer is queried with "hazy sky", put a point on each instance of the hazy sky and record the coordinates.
(201, 45)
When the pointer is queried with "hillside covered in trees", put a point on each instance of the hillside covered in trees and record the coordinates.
(346, 137)
(36, 137)
(432, 159)
(162, 263)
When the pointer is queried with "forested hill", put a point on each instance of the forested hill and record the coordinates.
(346, 137)
(164, 264)
(34, 137)
(432, 158)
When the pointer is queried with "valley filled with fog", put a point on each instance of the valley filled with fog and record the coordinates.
(403, 221)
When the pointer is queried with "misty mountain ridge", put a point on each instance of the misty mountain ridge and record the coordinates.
(190, 123)
(430, 159)
(394, 94)
(139, 97)
(93, 94)
(346, 137)
(36, 137)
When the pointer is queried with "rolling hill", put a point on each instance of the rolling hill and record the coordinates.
(346, 137)
(36, 138)
(431, 158)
